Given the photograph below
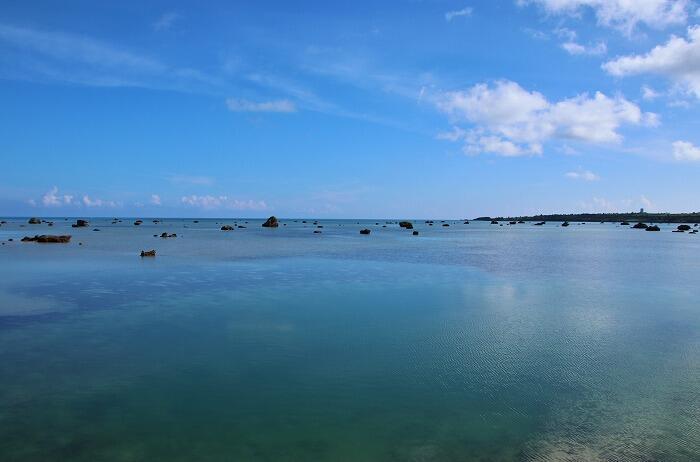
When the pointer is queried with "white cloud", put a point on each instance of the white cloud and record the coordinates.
(53, 199)
(584, 175)
(243, 105)
(686, 151)
(649, 93)
(678, 59)
(225, 202)
(574, 48)
(509, 120)
(165, 21)
(155, 199)
(536, 34)
(450, 15)
(97, 202)
(624, 15)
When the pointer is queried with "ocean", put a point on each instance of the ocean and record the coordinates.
(467, 342)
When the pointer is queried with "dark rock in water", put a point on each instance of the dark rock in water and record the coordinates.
(640, 226)
(684, 228)
(96, 229)
(138, 222)
(565, 224)
(10, 240)
(48, 239)
(466, 222)
(317, 231)
(494, 222)
(241, 226)
(383, 226)
(365, 231)
(34, 221)
(167, 235)
(415, 233)
(50, 223)
(148, 253)
(624, 223)
(445, 224)
(540, 223)
(80, 224)
(512, 222)
(195, 221)
(227, 228)
(271, 222)
(653, 228)
(319, 226)
(406, 224)
(521, 222)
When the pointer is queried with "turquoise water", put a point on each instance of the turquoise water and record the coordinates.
(468, 342)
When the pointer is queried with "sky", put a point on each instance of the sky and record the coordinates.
(415, 109)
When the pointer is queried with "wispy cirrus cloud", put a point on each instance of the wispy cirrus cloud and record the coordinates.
(200, 180)
(464, 12)
(166, 21)
(244, 105)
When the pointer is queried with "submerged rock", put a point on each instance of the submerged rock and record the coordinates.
(494, 222)
(271, 222)
(415, 233)
(48, 239)
(406, 224)
(365, 231)
(80, 224)
(148, 253)
(565, 224)
(624, 223)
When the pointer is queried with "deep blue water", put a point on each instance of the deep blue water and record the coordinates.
(467, 342)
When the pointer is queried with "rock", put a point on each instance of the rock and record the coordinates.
(48, 239)
(365, 231)
(166, 235)
(80, 224)
(34, 221)
(653, 228)
(624, 223)
(138, 222)
(406, 224)
(494, 222)
(466, 222)
(521, 222)
(540, 223)
(512, 222)
(241, 226)
(565, 224)
(272, 222)
(640, 226)
(684, 228)
(317, 231)
(445, 224)
(415, 233)
(227, 228)
(148, 253)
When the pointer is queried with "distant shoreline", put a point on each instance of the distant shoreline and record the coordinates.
(606, 217)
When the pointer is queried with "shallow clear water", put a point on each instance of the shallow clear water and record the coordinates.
(468, 342)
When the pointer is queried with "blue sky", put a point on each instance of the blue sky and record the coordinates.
(355, 109)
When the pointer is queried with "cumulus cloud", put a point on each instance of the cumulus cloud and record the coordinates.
(678, 59)
(583, 175)
(511, 121)
(450, 15)
(222, 202)
(649, 93)
(53, 199)
(624, 15)
(686, 151)
(244, 105)
(155, 199)
(88, 202)
(574, 48)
